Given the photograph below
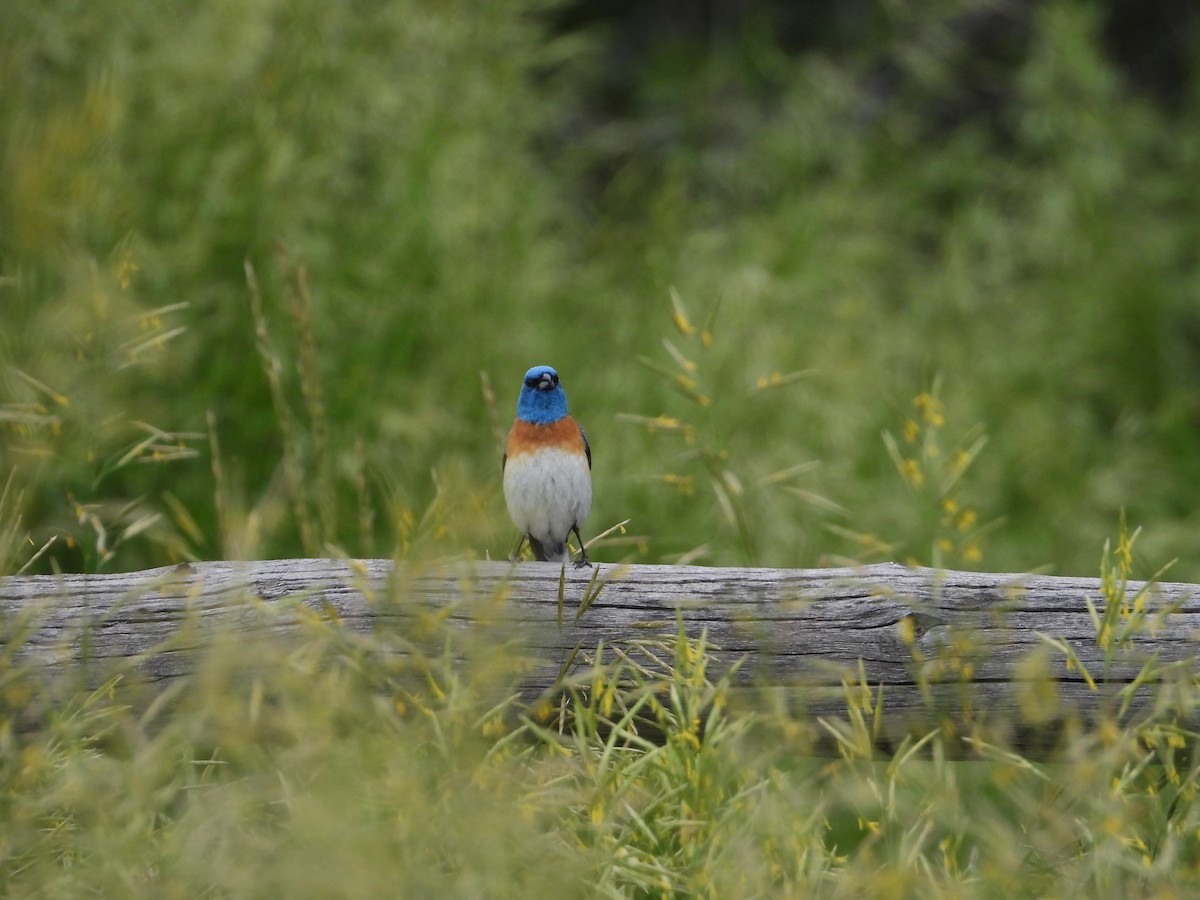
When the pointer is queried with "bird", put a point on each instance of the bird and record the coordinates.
(547, 469)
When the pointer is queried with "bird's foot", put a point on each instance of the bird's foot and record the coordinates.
(583, 557)
(515, 556)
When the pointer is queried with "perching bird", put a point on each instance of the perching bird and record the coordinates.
(547, 469)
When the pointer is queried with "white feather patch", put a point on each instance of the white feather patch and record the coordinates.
(548, 491)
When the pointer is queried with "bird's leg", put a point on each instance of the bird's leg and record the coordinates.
(583, 557)
(516, 554)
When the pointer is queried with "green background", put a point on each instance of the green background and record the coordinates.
(1008, 225)
(825, 282)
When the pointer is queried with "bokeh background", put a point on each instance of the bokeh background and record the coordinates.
(824, 281)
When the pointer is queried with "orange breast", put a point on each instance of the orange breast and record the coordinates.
(563, 434)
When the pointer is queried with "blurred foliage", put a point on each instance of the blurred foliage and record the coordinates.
(919, 285)
(399, 761)
(433, 197)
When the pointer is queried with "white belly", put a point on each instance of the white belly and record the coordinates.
(548, 492)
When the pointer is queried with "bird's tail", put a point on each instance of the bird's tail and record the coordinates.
(556, 552)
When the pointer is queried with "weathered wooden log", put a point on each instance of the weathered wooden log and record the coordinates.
(935, 640)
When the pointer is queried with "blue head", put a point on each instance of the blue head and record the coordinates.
(542, 399)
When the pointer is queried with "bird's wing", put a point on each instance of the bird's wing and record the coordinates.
(587, 448)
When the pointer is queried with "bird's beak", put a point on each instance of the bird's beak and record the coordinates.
(545, 383)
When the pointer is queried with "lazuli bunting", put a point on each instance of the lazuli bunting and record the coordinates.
(547, 469)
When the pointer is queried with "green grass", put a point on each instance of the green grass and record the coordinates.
(270, 274)
(411, 162)
(400, 763)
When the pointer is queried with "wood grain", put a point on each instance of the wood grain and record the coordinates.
(925, 635)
